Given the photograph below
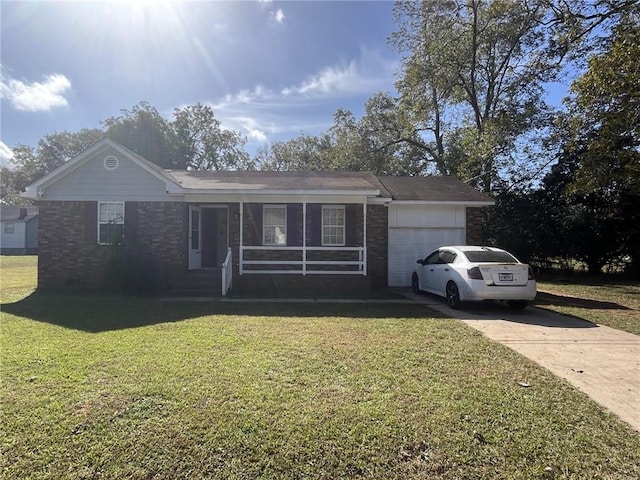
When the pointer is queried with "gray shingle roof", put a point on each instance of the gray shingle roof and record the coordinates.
(260, 180)
(434, 189)
(430, 189)
(10, 213)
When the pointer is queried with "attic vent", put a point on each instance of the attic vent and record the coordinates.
(111, 163)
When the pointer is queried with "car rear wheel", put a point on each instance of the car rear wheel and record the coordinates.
(415, 283)
(517, 304)
(453, 295)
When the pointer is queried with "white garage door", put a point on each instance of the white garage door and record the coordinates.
(406, 245)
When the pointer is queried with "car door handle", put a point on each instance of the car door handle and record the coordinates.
(431, 269)
(446, 269)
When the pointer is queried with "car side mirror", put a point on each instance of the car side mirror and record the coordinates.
(421, 262)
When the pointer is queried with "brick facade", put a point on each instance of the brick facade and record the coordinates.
(70, 256)
(475, 216)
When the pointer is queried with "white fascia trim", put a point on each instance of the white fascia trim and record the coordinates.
(379, 201)
(257, 191)
(481, 203)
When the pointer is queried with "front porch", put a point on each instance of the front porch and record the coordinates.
(276, 246)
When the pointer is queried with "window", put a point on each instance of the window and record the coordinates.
(9, 228)
(274, 229)
(332, 225)
(110, 222)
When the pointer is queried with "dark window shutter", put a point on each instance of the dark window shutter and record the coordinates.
(351, 225)
(255, 224)
(314, 224)
(91, 222)
(294, 219)
(130, 222)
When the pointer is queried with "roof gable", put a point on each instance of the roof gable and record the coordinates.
(37, 189)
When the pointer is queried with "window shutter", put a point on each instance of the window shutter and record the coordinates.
(130, 222)
(255, 224)
(314, 224)
(91, 222)
(351, 225)
(294, 219)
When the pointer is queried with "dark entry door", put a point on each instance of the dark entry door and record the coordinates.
(214, 236)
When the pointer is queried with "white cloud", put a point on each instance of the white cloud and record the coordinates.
(5, 154)
(278, 15)
(35, 96)
(265, 114)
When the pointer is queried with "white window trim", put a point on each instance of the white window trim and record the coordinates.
(344, 226)
(264, 208)
(101, 223)
(5, 228)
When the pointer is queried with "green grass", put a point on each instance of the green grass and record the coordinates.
(111, 387)
(603, 300)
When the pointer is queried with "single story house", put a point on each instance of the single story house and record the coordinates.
(18, 230)
(252, 231)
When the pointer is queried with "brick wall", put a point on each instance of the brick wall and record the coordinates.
(378, 240)
(70, 257)
(474, 225)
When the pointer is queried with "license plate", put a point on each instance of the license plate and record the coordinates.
(505, 277)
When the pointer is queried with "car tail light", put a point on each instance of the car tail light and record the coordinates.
(532, 276)
(474, 273)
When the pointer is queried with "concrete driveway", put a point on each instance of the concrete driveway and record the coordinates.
(601, 361)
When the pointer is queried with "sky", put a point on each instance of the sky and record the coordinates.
(270, 70)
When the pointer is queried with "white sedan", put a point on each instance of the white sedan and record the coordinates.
(468, 273)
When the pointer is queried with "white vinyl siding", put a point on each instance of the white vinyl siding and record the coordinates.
(110, 222)
(333, 220)
(274, 225)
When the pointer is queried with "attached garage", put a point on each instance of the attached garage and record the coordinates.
(415, 231)
(425, 213)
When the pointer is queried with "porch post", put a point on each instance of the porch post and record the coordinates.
(304, 238)
(240, 249)
(364, 237)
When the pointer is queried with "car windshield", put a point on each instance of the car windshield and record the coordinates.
(489, 256)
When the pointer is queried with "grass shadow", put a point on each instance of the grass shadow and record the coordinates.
(99, 313)
(545, 298)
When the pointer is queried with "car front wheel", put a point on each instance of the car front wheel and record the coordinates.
(415, 283)
(453, 295)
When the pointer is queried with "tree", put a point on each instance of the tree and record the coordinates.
(601, 132)
(603, 116)
(29, 164)
(473, 72)
(377, 142)
(193, 139)
(202, 144)
(144, 131)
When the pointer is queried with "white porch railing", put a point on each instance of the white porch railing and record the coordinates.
(227, 273)
(303, 265)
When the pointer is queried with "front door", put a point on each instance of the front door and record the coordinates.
(214, 236)
(195, 238)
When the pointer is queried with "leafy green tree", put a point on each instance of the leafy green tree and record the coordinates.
(601, 132)
(29, 164)
(144, 131)
(201, 143)
(473, 75)
(377, 142)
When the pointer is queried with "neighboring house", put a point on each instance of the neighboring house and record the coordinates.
(18, 230)
(276, 232)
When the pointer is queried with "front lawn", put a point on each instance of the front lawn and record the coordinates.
(603, 300)
(111, 387)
